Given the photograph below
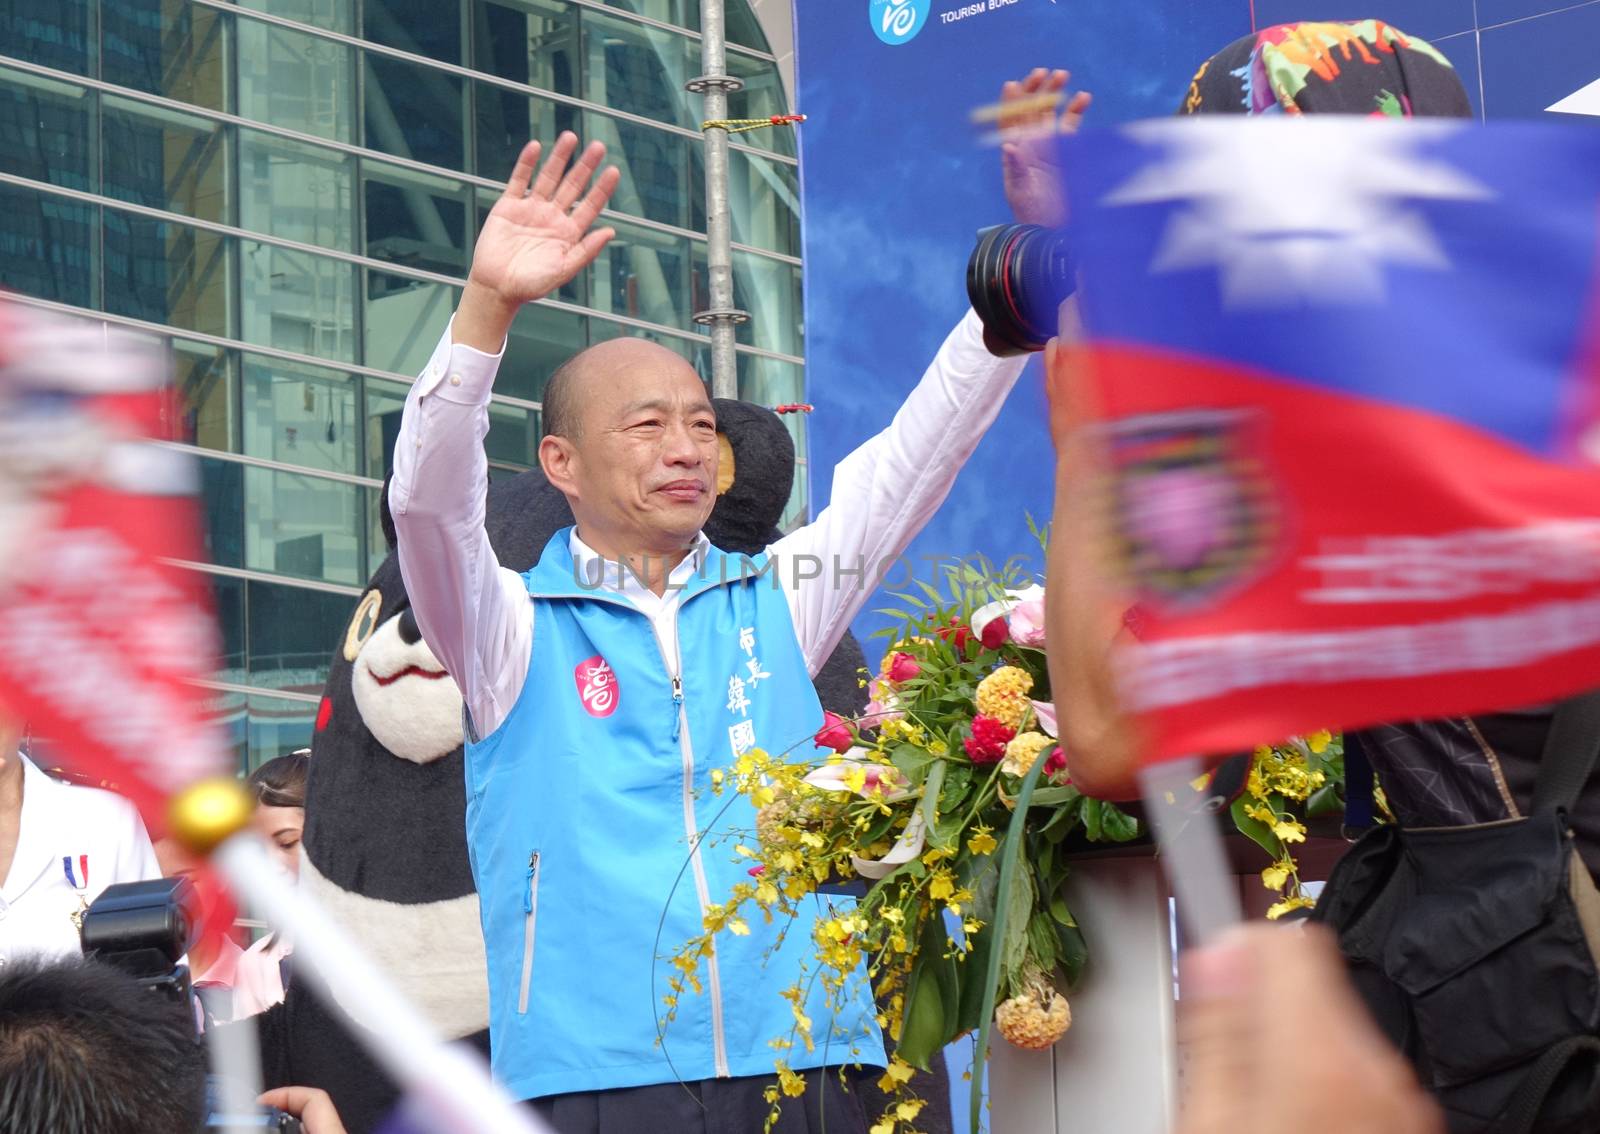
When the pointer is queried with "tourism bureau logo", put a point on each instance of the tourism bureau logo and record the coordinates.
(897, 21)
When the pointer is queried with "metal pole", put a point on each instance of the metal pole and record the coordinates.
(715, 84)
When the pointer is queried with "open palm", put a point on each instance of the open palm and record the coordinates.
(537, 236)
(1029, 123)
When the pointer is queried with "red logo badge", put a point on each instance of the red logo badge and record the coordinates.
(597, 686)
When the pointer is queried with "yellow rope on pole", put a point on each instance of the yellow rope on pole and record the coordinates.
(745, 125)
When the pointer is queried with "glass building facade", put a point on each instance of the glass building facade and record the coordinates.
(287, 193)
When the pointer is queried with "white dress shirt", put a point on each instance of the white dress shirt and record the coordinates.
(476, 615)
(66, 828)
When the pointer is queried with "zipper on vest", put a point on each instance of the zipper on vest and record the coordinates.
(719, 1049)
(530, 910)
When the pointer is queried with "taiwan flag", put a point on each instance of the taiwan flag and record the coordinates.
(1346, 381)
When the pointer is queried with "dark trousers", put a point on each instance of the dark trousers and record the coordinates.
(713, 1106)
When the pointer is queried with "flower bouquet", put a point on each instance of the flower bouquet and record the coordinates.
(949, 799)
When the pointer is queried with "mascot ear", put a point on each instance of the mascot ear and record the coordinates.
(385, 519)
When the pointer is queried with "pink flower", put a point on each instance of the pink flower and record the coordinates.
(756, 871)
(1045, 713)
(902, 667)
(1027, 623)
(834, 733)
(994, 633)
(884, 705)
(1055, 768)
(987, 743)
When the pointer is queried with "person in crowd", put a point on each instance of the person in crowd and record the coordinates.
(60, 846)
(279, 787)
(605, 685)
(85, 1048)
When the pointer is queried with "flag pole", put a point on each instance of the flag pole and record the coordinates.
(1191, 849)
(449, 1082)
(721, 316)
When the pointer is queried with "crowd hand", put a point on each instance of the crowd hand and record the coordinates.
(537, 237)
(310, 1105)
(1278, 1041)
(1028, 147)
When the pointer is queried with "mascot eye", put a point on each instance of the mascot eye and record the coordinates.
(362, 625)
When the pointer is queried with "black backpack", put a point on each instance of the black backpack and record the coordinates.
(1477, 949)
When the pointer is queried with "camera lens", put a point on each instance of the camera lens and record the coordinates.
(1016, 279)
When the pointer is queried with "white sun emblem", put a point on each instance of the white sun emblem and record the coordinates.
(1294, 211)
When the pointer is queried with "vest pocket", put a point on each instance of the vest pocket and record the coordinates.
(530, 909)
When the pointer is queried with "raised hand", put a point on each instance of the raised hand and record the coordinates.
(536, 238)
(1028, 147)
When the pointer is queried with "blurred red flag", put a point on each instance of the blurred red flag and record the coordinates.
(100, 636)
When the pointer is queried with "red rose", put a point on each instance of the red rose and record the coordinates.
(956, 634)
(987, 742)
(834, 733)
(995, 633)
(1055, 766)
(902, 667)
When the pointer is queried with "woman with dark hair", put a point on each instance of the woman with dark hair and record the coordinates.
(279, 787)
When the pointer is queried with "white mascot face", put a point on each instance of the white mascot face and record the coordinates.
(407, 700)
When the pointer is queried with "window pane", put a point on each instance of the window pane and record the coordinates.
(696, 350)
(741, 26)
(167, 273)
(541, 339)
(296, 81)
(222, 501)
(404, 319)
(295, 191)
(166, 47)
(164, 160)
(303, 526)
(278, 726)
(640, 69)
(513, 438)
(52, 33)
(415, 219)
(420, 27)
(527, 41)
(204, 375)
(683, 13)
(227, 598)
(414, 112)
(662, 174)
(334, 15)
(296, 301)
(44, 130)
(506, 120)
(770, 291)
(47, 246)
(384, 402)
(644, 274)
(764, 203)
(290, 634)
(377, 542)
(299, 415)
(762, 97)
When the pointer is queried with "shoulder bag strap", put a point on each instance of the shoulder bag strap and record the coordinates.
(1570, 752)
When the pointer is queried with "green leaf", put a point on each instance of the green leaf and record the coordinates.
(1065, 818)
(1074, 951)
(930, 794)
(1010, 851)
(911, 762)
(1255, 830)
(1093, 811)
(1116, 824)
(1019, 908)
(957, 778)
(1054, 796)
(1043, 944)
(923, 1029)
(1326, 800)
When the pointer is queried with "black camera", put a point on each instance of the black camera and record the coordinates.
(145, 929)
(1017, 278)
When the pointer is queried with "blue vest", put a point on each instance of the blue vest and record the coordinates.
(580, 808)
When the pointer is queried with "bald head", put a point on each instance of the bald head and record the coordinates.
(570, 387)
